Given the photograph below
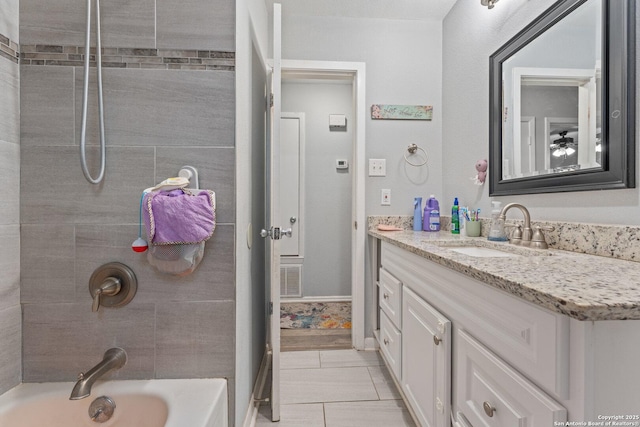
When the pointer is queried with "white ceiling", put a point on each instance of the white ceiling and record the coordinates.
(419, 10)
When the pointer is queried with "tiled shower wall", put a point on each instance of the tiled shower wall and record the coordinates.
(10, 318)
(169, 101)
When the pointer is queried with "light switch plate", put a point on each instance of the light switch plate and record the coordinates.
(377, 167)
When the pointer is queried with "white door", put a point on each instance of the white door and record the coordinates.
(273, 231)
(291, 181)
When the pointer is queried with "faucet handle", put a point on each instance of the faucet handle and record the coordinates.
(538, 240)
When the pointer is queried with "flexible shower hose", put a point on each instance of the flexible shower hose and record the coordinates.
(85, 96)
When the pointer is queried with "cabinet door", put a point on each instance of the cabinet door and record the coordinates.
(426, 360)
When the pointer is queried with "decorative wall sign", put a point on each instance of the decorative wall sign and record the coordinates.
(401, 112)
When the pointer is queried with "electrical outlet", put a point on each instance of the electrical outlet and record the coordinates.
(377, 167)
(385, 197)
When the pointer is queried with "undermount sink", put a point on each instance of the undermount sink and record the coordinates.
(487, 249)
(482, 252)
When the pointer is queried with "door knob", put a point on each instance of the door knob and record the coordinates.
(293, 220)
(286, 232)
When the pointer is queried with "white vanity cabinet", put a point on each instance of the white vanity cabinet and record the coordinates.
(470, 355)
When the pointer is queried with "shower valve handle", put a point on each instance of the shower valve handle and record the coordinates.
(111, 286)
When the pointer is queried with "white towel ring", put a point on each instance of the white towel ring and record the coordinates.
(412, 149)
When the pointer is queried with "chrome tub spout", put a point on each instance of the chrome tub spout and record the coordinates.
(114, 358)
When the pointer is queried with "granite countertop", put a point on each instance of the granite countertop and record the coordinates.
(581, 286)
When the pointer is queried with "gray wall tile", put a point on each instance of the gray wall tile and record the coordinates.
(11, 348)
(9, 19)
(125, 23)
(10, 176)
(48, 263)
(196, 24)
(116, 200)
(61, 340)
(216, 171)
(47, 105)
(212, 280)
(190, 341)
(10, 103)
(9, 266)
(164, 107)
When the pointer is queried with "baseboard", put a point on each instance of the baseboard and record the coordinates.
(338, 298)
(251, 417)
(370, 343)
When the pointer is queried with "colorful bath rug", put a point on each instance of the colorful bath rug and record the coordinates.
(315, 315)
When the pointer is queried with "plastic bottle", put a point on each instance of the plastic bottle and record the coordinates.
(431, 215)
(497, 232)
(455, 218)
(417, 214)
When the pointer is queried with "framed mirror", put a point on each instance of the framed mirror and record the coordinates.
(562, 101)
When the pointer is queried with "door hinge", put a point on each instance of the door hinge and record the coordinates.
(355, 224)
(270, 308)
(271, 100)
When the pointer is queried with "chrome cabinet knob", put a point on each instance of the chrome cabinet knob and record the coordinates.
(286, 232)
(385, 295)
(386, 341)
(437, 340)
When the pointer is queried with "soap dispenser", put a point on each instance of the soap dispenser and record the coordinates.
(497, 232)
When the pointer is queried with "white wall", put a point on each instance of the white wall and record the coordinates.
(326, 269)
(403, 60)
(471, 33)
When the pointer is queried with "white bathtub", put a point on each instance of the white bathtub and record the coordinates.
(139, 403)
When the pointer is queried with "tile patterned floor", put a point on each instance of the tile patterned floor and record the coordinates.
(336, 388)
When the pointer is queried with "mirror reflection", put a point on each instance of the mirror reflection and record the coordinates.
(552, 97)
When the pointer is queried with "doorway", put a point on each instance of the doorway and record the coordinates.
(316, 148)
(323, 268)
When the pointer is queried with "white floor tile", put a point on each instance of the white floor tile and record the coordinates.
(383, 382)
(304, 415)
(345, 358)
(385, 413)
(299, 359)
(326, 385)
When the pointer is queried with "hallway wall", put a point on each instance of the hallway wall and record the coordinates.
(326, 270)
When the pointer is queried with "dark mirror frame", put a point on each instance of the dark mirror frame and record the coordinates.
(618, 109)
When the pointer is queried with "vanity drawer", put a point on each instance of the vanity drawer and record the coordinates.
(390, 297)
(391, 345)
(491, 393)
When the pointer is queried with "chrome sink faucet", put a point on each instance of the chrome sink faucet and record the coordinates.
(526, 236)
(114, 358)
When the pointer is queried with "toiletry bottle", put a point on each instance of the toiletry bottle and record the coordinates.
(455, 218)
(431, 215)
(497, 232)
(417, 214)
(462, 219)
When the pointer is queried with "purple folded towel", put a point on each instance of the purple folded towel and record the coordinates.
(178, 217)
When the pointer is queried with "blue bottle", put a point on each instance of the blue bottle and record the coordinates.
(417, 214)
(431, 215)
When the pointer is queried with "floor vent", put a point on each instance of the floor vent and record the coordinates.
(291, 280)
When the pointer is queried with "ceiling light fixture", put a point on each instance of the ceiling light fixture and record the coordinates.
(488, 3)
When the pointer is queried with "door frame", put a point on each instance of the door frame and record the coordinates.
(355, 71)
